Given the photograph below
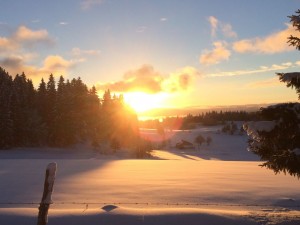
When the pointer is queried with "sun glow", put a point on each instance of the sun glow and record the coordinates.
(141, 101)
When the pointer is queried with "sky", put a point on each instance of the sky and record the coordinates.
(158, 53)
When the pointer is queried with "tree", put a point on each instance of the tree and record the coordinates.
(277, 139)
(6, 120)
(199, 140)
(161, 132)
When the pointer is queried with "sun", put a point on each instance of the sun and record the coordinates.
(141, 101)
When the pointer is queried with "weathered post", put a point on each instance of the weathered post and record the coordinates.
(47, 194)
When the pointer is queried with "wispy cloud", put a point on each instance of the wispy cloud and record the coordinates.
(77, 52)
(163, 19)
(218, 54)
(213, 24)
(262, 69)
(63, 23)
(148, 80)
(228, 31)
(225, 28)
(273, 43)
(87, 4)
(141, 29)
(35, 21)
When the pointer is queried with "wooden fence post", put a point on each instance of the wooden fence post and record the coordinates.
(47, 194)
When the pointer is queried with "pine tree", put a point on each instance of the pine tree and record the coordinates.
(277, 140)
(6, 122)
(50, 108)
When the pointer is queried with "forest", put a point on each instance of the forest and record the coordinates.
(61, 114)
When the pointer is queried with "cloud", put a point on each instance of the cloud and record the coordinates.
(77, 52)
(141, 29)
(181, 80)
(228, 31)
(54, 64)
(24, 37)
(28, 36)
(35, 21)
(225, 28)
(12, 62)
(218, 54)
(7, 44)
(214, 24)
(143, 79)
(146, 79)
(273, 43)
(261, 69)
(163, 19)
(17, 56)
(63, 23)
(87, 4)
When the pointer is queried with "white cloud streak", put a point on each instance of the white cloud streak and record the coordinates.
(262, 69)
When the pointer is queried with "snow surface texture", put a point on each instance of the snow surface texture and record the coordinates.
(216, 184)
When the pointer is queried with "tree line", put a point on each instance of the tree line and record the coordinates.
(61, 114)
(208, 119)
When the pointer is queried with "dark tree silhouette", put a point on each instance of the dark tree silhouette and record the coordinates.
(199, 140)
(277, 139)
(61, 114)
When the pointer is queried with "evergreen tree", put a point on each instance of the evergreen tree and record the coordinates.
(51, 109)
(277, 140)
(6, 120)
(61, 116)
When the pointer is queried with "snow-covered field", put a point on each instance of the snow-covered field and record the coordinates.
(217, 184)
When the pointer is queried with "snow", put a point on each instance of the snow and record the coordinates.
(252, 128)
(216, 184)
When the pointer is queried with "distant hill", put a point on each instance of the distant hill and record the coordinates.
(164, 112)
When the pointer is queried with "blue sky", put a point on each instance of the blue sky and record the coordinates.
(187, 53)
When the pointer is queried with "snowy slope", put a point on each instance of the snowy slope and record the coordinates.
(217, 184)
